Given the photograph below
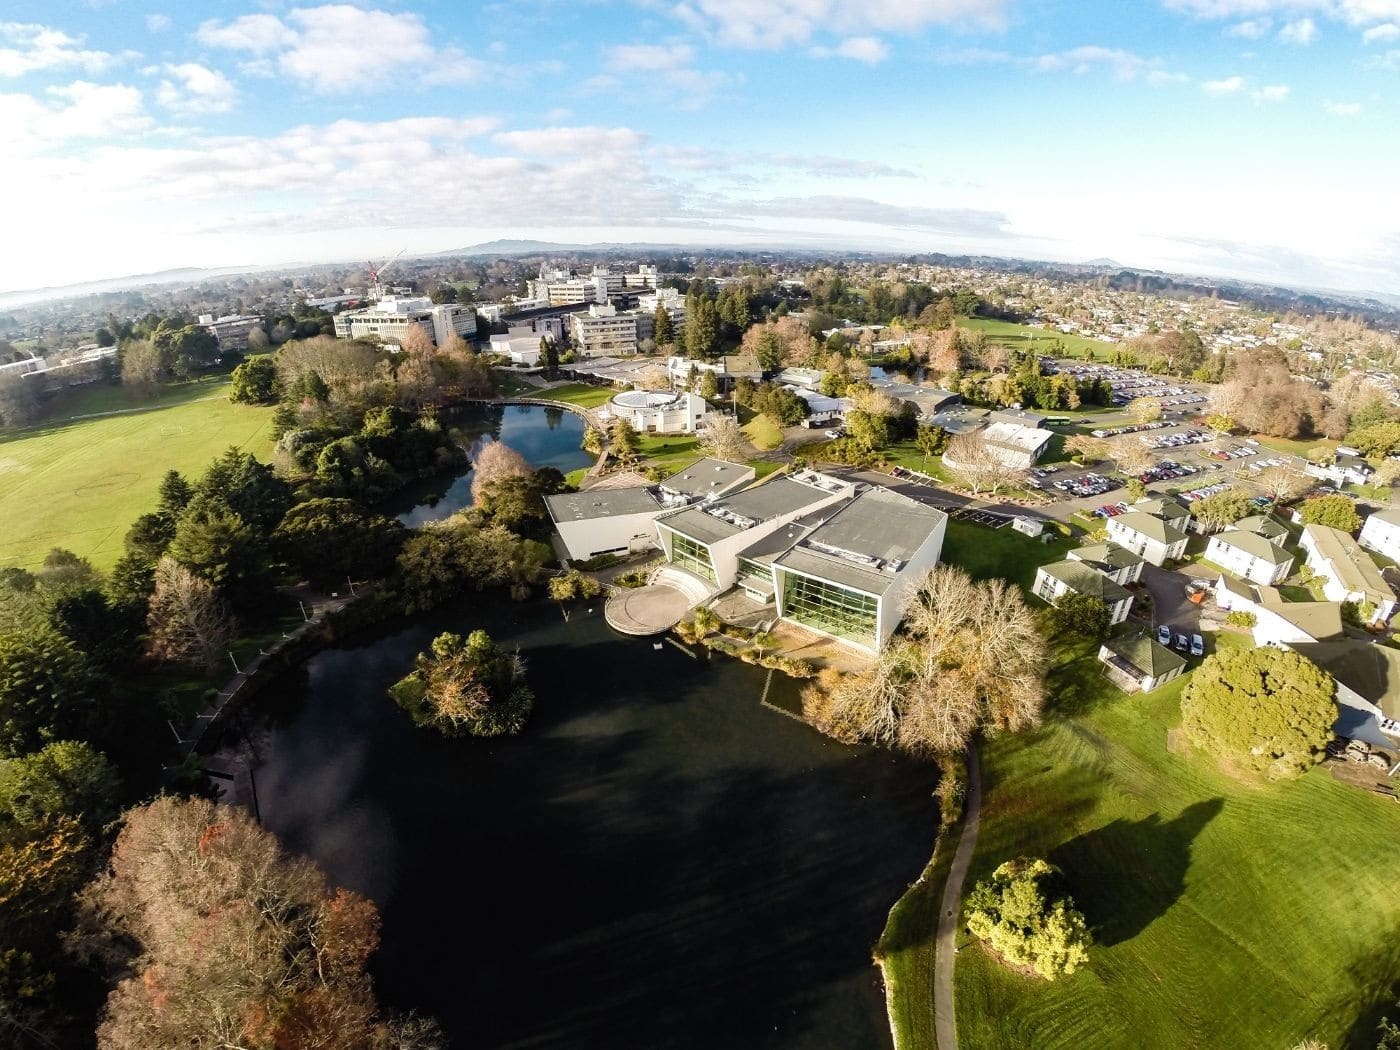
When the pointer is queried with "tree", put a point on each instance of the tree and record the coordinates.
(549, 350)
(663, 330)
(250, 489)
(188, 621)
(332, 540)
(979, 468)
(1087, 448)
(65, 778)
(868, 430)
(1144, 409)
(1335, 510)
(1377, 440)
(709, 385)
(1221, 509)
(1023, 915)
(224, 940)
(723, 438)
(1282, 484)
(217, 544)
(1081, 614)
(47, 691)
(1130, 454)
(142, 368)
(1136, 490)
(572, 584)
(626, 444)
(468, 687)
(255, 383)
(1220, 424)
(494, 462)
(930, 440)
(971, 656)
(1267, 709)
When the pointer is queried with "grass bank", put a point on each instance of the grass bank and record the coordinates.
(1003, 552)
(907, 949)
(80, 483)
(1025, 337)
(1226, 912)
(580, 394)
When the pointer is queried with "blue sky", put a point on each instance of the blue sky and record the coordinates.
(1253, 138)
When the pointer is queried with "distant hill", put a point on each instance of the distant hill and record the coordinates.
(187, 274)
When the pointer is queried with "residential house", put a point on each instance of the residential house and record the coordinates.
(1054, 581)
(1368, 687)
(1119, 564)
(1381, 533)
(1346, 468)
(1139, 663)
(1149, 537)
(1250, 556)
(1349, 573)
(1279, 622)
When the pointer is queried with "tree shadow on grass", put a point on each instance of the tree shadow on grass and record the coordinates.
(1127, 874)
(1377, 976)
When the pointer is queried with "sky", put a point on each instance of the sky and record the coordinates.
(1244, 138)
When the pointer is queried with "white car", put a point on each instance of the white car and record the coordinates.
(833, 434)
(1164, 635)
(1198, 645)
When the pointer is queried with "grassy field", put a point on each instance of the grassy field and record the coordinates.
(762, 431)
(906, 953)
(670, 452)
(1226, 912)
(79, 484)
(1003, 552)
(1022, 337)
(580, 394)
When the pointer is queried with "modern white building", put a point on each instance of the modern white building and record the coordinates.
(604, 332)
(658, 411)
(727, 369)
(1148, 536)
(1349, 574)
(390, 319)
(604, 521)
(1019, 447)
(520, 344)
(1054, 581)
(1381, 533)
(1249, 556)
(1347, 468)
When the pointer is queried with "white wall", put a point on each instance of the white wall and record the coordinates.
(1245, 565)
(892, 601)
(591, 536)
(1381, 537)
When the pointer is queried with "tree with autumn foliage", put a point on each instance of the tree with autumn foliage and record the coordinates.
(467, 687)
(219, 938)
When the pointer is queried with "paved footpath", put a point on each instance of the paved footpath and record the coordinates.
(944, 1020)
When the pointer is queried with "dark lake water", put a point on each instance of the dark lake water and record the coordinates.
(547, 437)
(657, 861)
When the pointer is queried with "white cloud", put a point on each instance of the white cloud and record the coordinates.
(192, 88)
(780, 23)
(1080, 60)
(1251, 28)
(336, 48)
(80, 110)
(971, 56)
(649, 58)
(562, 141)
(1302, 32)
(34, 48)
(1271, 93)
(869, 49)
(1352, 12)
(1226, 86)
(1343, 109)
(157, 23)
(1382, 34)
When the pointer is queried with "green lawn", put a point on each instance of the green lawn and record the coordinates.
(1003, 552)
(763, 432)
(670, 452)
(1021, 337)
(79, 484)
(906, 953)
(1226, 913)
(764, 467)
(513, 385)
(580, 394)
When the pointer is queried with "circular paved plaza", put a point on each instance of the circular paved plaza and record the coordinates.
(646, 610)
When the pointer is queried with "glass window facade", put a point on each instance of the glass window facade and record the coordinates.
(693, 556)
(831, 608)
(750, 568)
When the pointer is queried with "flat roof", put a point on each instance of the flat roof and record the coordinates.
(1014, 435)
(866, 542)
(708, 476)
(600, 503)
(725, 517)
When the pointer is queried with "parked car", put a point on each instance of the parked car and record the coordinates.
(1164, 635)
(1198, 645)
(833, 434)
(1182, 645)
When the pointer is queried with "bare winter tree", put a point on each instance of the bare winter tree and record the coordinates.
(1144, 410)
(494, 462)
(188, 621)
(1087, 447)
(978, 467)
(141, 368)
(1282, 484)
(723, 438)
(971, 655)
(1131, 455)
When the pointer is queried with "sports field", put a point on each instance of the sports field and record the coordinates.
(1228, 912)
(1024, 337)
(79, 483)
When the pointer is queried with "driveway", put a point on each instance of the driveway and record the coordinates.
(1169, 604)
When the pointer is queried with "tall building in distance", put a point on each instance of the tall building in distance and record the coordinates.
(390, 319)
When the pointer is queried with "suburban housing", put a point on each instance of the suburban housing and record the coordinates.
(1350, 574)
(1054, 581)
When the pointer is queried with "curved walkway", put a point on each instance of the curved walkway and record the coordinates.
(945, 1022)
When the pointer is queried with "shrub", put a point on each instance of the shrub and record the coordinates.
(597, 563)
(635, 578)
(1026, 919)
(1240, 618)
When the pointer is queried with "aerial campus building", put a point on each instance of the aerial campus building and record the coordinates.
(833, 556)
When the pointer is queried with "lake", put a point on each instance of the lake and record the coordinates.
(546, 437)
(659, 860)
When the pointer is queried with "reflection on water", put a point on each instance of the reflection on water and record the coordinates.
(658, 861)
(546, 437)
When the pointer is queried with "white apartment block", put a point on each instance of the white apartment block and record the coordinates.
(391, 318)
(231, 330)
(1249, 556)
(603, 332)
(1381, 533)
(1349, 574)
